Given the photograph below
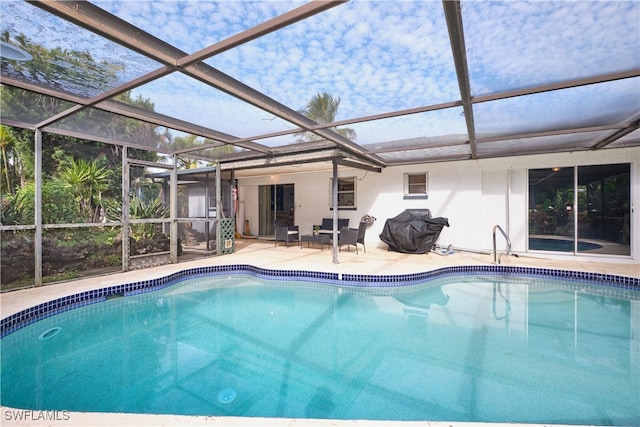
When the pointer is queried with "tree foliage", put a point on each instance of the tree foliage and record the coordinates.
(91, 170)
(57, 201)
(186, 161)
(7, 141)
(67, 70)
(88, 180)
(323, 108)
(141, 209)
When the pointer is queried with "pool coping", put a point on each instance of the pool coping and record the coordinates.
(83, 419)
(612, 285)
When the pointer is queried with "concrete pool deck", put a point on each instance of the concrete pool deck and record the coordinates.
(263, 253)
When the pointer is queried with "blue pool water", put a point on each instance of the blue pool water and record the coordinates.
(483, 347)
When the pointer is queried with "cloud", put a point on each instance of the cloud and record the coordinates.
(378, 57)
(429, 124)
(208, 107)
(522, 44)
(617, 102)
(192, 25)
(360, 52)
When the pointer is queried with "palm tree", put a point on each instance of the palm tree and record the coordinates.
(88, 180)
(184, 161)
(7, 140)
(323, 108)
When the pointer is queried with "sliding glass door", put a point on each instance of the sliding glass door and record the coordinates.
(551, 219)
(590, 202)
(604, 207)
(275, 204)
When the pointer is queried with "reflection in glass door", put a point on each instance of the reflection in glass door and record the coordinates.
(592, 202)
(551, 200)
(604, 212)
(275, 204)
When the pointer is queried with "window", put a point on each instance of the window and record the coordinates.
(346, 193)
(415, 185)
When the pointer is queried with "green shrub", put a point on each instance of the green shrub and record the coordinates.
(58, 203)
(138, 208)
(10, 210)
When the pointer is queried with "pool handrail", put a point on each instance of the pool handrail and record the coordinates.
(497, 227)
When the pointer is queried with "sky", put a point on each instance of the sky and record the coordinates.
(382, 56)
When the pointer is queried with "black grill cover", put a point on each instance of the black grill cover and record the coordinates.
(413, 231)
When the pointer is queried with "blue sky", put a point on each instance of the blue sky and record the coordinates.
(359, 51)
(380, 56)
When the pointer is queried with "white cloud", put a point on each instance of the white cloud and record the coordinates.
(429, 124)
(361, 52)
(517, 44)
(208, 107)
(617, 102)
(377, 56)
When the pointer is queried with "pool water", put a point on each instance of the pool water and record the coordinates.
(468, 348)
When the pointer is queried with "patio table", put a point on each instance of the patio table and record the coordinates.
(322, 239)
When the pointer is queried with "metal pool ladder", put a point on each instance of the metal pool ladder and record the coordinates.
(497, 227)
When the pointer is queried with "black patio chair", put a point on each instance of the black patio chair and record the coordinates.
(286, 233)
(327, 225)
(353, 236)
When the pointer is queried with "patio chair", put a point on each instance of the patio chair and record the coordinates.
(353, 236)
(327, 225)
(286, 233)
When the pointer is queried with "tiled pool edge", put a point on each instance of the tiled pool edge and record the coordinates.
(33, 314)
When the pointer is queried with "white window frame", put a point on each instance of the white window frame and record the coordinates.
(408, 193)
(344, 193)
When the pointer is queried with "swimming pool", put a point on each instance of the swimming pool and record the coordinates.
(460, 344)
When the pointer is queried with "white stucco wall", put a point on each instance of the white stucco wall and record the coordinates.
(197, 202)
(473, 195)
(198, 209)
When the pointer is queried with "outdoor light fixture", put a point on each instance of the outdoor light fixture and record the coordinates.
(9, 51)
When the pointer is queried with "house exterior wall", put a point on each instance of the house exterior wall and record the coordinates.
(198, 209)
(474, 195)
(197, 202)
